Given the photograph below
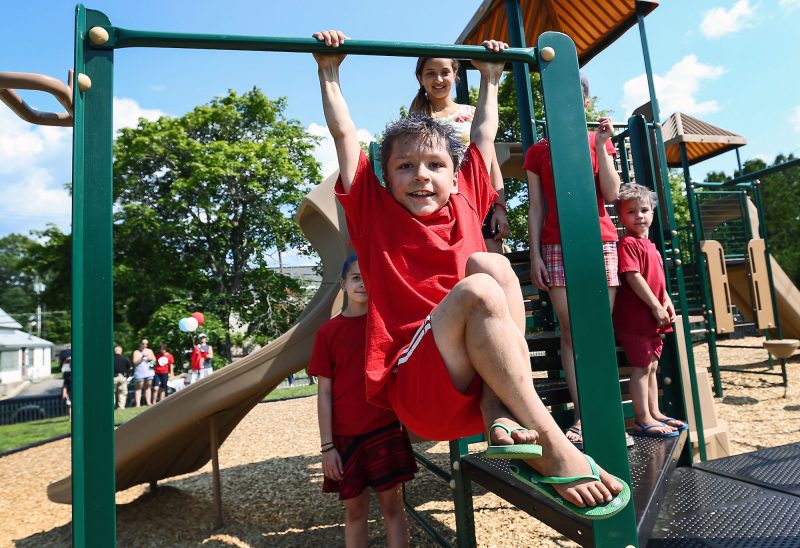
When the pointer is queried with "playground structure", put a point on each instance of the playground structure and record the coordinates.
(99, 472)
(730, 249)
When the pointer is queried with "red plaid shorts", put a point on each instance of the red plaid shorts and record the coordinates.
(554, 262)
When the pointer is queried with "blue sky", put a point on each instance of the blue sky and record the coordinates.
(729, 62)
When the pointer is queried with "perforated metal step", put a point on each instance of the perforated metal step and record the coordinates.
(651, 461)
(774, 468)
(706, 510)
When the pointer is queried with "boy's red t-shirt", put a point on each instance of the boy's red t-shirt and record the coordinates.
(338, 355)
(631, 314)
(538, 161)
(409, 264)
(168, 360)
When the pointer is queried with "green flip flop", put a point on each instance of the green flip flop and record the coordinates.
(543, 484)
(515, 451)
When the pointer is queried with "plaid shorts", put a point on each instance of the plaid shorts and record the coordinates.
(554, 262)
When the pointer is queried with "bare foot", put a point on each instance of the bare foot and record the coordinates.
(657, 428)
(499, 436)
(574, 433)
(561, 459)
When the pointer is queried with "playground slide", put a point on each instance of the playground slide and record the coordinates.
(787, 296)
(173, 437)
(786, 293)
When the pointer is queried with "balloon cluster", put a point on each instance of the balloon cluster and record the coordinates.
(191, 323)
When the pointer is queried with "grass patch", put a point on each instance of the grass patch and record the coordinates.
(292, 392)
(26, 433)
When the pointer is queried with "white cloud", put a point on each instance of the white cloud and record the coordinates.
(677, 90)
(789, 5)
(718, 22)
(127, 113)
(23, 144)
(33, 200)
(325, 151)
(794, 118)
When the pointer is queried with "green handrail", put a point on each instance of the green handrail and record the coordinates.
(128, 38)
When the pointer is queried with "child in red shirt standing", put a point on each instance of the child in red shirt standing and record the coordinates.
(643, 310)
(362, 444)
(164, 370)
(446, 320)
(547, 263)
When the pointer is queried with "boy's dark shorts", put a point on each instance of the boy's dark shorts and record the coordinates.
(424, 398)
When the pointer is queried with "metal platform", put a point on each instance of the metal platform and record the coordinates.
(776, 468)
(707, 510)
(651, 460)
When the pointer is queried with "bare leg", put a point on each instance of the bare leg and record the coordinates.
(653, 400)
(558, 296)
(355, 520)
(138, 394)
(394, 517)
(146, 389)
(640, 394)
(475, 333)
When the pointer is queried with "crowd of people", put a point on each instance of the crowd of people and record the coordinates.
(152, 374)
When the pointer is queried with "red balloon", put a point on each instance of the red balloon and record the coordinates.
(199, 317)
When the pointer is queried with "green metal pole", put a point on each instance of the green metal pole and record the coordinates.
(93, 470)
(462, 495)
(522, 77)
(128, 38)
(683, 304)
(589, 309)
(702, 272)
(762, 229)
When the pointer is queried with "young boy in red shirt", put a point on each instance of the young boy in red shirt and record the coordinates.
(446, 320)
(643, 310)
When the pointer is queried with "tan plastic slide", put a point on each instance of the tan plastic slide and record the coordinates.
(787, 295)
(173, 437)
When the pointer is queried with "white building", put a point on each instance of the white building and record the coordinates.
(22, 355)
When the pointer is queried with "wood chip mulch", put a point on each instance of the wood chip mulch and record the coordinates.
(271, 479)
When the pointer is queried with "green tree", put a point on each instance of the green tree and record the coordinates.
(17, 297)
(202, 198)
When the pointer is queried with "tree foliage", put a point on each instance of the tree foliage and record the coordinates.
(202, 199)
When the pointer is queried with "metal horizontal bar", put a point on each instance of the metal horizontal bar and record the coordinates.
(128, 38)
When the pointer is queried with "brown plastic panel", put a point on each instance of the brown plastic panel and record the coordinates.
(759, 284)
(720, 290)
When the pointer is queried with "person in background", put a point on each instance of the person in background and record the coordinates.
(163, 373)
(66, 388)
(206, 355)
(143, 361)
(122, 370)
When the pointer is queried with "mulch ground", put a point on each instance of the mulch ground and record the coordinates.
(271, 479)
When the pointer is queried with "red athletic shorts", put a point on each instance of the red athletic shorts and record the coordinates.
(640, 349)
(424, 398)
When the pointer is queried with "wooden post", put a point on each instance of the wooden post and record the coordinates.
(216, 485)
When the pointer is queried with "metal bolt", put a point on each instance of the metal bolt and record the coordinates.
(676, 251)
(667, 381)
(548, 53)
(98, 36)
(678, 262)
(453, 485)
(673, 232)
(456, 465)
(84, 82)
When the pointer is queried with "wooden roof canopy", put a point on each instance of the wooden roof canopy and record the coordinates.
(592, 24)
(702, 140)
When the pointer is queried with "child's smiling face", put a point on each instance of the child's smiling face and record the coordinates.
(420, 175)
(437, 77)
(636, 216)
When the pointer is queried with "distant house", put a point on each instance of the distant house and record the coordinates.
(22, 355)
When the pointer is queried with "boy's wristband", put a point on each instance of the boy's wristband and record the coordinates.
(328, 449)
(501, 206)
(326, 443)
